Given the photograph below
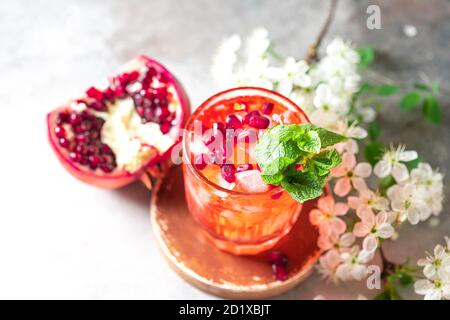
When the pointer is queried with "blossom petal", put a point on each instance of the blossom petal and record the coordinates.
(363, 170)
(406, 156)
(385, 231)
(340, 209)
(342, 187)
(316, 217)
(400, 172)
(429, 271)
(370, 243)
(382, 168)
(361, 230)
(348, 160)
(359, 184)
(423, 286)
(347, 239)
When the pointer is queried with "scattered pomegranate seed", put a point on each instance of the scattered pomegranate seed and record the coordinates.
(199, 162)
(279, 272)
(279, 262)
(299, 166)
(267, 107)
(228, 172)
(232, 122)
(258, 122)
(278, 257)
(244, 167)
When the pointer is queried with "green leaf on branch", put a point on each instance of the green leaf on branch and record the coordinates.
(366, 57)
(431, 110)
(405, 278)
(386, 90)
(385, 183)
(422, 86)
(374, 131)
(410, 100)
(413, 163)
(373, 152)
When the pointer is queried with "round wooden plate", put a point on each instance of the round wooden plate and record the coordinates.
(196, 260)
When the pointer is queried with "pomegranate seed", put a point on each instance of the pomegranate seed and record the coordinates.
(94, 93)
(244, 167)
(232, 122)
(199, 162)
(277, 195)
(75, 119)
(278, 258)
(279, 263)
(279, 272)
(258, 122)
(267, 107)
(133, 76)
(98, 106)
(64, 142)
(247, 117)
(62, 118)
(60, 132)
(165, 127)
(109, 94)
(107, 168)
(228, 172)
(299, 166)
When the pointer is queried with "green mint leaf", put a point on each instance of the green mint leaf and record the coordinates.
(366, 57)
(302, 186)
(410, 100)
(386, 90)
(283, 146)
(373, 152)
(270, 148)
(431, 110)
(328, 138)
(374, 131)
(309, 142)
(323, 162)
(272, 172)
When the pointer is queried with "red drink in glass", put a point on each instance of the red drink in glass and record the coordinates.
(224, 190)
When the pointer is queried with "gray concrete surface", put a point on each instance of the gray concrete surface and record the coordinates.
(62, 239)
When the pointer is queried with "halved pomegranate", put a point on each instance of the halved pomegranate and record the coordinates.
(123, 130)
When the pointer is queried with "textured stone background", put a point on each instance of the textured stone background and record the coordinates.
(62, 239)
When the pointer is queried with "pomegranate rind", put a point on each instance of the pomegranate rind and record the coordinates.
(120, 178)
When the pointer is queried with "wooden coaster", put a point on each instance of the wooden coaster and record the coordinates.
(196, 260)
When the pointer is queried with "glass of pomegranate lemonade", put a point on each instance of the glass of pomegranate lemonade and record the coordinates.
(225, 193)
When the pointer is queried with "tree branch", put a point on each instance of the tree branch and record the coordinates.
(311, 55)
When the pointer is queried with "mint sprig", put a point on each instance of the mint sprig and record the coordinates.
(282, 147)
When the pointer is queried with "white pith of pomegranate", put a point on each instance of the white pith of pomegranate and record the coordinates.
(116, 131)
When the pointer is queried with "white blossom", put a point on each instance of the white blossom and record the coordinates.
(391, 163)
(353, 266)
(407, 199)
